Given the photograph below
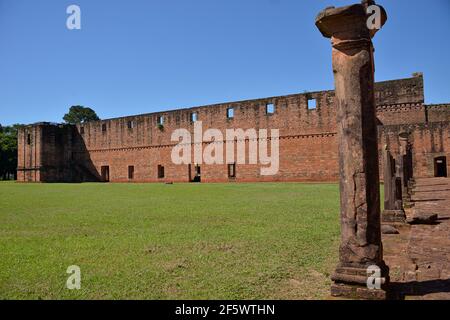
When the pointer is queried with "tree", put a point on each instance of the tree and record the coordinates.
(8, 151)
(80, 114)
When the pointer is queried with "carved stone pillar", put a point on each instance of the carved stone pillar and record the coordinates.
(405, 173)
(353, 67)
(393, 202)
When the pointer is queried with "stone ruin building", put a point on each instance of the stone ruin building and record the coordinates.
(138, 148)
(359, 134)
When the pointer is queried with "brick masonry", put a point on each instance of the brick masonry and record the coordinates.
(308, 146)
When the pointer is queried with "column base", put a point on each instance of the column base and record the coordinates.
(351, 283)
(347, 291)
(393, 216)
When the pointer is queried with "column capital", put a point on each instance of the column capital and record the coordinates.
(348, 23)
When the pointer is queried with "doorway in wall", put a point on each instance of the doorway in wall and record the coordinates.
(440, 167)
(105, 173)
(197, 174)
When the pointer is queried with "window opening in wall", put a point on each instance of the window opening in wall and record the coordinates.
(197, 174)
(160, 171)
(105, 173)
(270, 108)
(440, 167)
(312, 104)
(231, 170)
(230, 113)
(131, 172)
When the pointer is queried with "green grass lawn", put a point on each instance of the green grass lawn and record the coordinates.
(156, 241)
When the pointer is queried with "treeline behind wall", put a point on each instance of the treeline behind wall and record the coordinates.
(8, 152)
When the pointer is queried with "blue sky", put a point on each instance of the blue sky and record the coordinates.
(137, 56)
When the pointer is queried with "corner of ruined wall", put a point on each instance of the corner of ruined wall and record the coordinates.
(409, 90)
(44, 152)
(428, 140)
(401, 101)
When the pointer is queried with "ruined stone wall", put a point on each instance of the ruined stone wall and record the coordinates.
(393, 92)
(408, 113)
(428, 141)
(304, 158)
(44, 153)
(401, 101)
(306, 139)
(308, 146)
(401, 113)
(438, 112)
(29, 153)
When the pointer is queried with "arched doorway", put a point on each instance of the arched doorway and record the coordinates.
(440, 167)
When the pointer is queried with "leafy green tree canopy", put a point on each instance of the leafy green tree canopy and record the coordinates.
(80, 114)
(8, 150)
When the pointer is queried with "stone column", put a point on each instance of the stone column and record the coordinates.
(405, 167)
(393, 202)
(353, 68)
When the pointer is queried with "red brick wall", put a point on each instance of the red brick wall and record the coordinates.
(401, 91)
(401, 113)
(308, 146)
(429, 140)
(438, 112)
(305, 140)
(47, 157)
(302, 158)
(29, 154)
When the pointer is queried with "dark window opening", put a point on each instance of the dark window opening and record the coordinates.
(270, 108)
(312, 104)
(440, 167)
(105, 173)
(197, 174)
(81, 130)
(194, 116)
(232, 170)
(130, 172)
(28, 139)
(130, 124)
(230, 113)
(160, 171)
(104, 127)
(160, 120)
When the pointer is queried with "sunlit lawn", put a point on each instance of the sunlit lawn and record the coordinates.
(157, 241)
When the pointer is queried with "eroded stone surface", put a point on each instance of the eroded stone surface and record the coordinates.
(393, 199)
(420, 217)
(353, 67)
(388, 229)
(419, 257)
